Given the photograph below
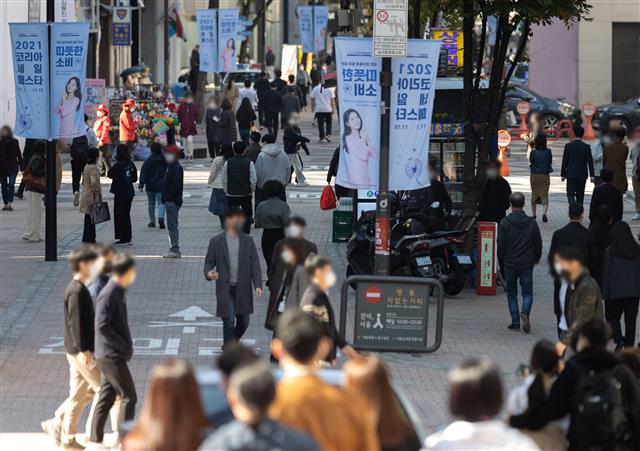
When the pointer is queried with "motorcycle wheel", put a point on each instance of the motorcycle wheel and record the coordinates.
(455, 285)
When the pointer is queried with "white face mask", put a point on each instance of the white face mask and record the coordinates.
(287, 256)
(557, 267)
(94, 271)
(331, 279)
(170, 158)
(293, 231)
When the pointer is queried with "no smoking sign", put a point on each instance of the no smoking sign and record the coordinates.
(382, 16)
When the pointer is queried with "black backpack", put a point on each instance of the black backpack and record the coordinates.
(598, 415)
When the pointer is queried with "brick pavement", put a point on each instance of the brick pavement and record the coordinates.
(34, 372)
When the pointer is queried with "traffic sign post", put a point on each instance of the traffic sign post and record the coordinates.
(589, 110)
(504, 139)
(523, 107)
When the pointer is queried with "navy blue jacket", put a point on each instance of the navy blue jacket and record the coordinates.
(172, 185)
(113, 338)
(541, 160)
(576, 159)
(152, 173)
(123, 175)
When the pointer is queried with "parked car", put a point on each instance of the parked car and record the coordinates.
(628, 113)
(550, 110)
(240, 76)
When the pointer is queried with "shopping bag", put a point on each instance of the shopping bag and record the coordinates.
(327, 198)
(99, 213)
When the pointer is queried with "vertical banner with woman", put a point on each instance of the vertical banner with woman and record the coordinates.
(68, 73)
(208, 39)
(320, 21)
(227, 31)
(305, 21)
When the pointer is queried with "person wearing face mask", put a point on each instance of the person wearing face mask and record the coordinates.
(291, 258)
(172, 198)
(113, 348)
(232, 262)
(272, 215)
(211, 125)
(540, 160)
(188, 116)
(495, 199)
(293, 142)
(315, 301)
(239, 182)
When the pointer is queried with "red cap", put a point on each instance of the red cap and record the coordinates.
(172, 148)
(130, 102)
(101, 107)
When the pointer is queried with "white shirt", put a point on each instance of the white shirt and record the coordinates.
(250, 94)
(564, 288)
(483, 435)
(323, 98)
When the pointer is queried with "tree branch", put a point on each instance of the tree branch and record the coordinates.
(260, 13)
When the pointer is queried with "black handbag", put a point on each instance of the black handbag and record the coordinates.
(99, 213)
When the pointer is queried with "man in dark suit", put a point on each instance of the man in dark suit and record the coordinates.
(573, 235)
(576, 160)
(606, 194)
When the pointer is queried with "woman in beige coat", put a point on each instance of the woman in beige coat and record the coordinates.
(91, 194)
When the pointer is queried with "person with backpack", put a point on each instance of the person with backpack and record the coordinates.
(599, 392)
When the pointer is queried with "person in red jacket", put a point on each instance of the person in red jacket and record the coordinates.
(128, 124)
(188, 116)
(102, 127)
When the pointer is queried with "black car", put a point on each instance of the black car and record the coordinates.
(627, 113)
(550, 110)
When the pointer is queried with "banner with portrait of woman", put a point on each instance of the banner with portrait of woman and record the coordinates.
(227, 31)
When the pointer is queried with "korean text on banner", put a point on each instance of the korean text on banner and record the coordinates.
(208, 38)
(69, 42)
(31, 75)
(227, 30)
(412, 94)
(359, 98)
(320, 21)
(305, 20)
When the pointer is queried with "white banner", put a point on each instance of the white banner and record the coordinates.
(69, 42)
(208, 39)
(412, 93)
(227, 31)
(320, 21)
(359, 99)
(411, 108)
(65, 10)
(305, 20)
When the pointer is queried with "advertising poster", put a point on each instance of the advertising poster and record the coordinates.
(453, 41)
(320, 21)
(208, 39)
(31, 70)
(69, 42)
(95, 93)
(305, 20)
(359, 98)
(227, 30)
(412, 94)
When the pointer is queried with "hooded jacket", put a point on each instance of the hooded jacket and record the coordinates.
(519, 242)
(272, 164)
(152, 173)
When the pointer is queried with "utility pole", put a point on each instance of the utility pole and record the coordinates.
(51, 220)
(417, 29)
(167, 55)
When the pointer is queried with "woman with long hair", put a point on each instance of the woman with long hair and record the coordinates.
(172, 417)
(621, 283)
(218, 200)
(540, 160)
(69, 104)
(368, 378)
(34, 177)
(227, 122)
(228, 56)
(245, 116)
(231, 92)
(123, 175)
(91, 194)
(358, 149)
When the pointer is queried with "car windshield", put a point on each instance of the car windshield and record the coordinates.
(240, 77)
(634, 100)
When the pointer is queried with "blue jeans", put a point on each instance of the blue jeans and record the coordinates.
(172, 224)
(526, 285)
(152, 199)
(233, 326)
(8, 188)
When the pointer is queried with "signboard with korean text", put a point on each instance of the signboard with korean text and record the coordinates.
(208, 39)
(65, 10)
(487, 251)
(29, 42)
(390, 26)
(121, 29)
(69, 42)
(391, 316)
(227, 30)
(320, 21)
(452, 41)
(95, 93)
(305, 21)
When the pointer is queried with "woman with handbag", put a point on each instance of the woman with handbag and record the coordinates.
(123, 175)
(34, 179)
(91, 195)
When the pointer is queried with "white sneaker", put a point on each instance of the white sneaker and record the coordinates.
(93, 446)
(76, 199)
(52, 428)
(636, 217)
(303, 184)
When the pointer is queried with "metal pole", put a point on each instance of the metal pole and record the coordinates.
(261, 33)
(417, 29)
(166, 44)
(383, 212)
(51, 225)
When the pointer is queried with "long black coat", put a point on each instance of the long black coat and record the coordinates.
(606, 194)
(576, 159)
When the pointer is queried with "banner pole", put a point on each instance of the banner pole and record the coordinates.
(383, 212)
(51, 224)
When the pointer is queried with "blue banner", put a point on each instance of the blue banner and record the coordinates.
(305, 20)
(320, 21)
(31, 76)
(69, 42)
(227, 31)
(208, 38)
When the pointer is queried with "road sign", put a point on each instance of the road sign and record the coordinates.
(504, 139)
(589, 109)
(390, 28)
(373, 295)
(523, 107)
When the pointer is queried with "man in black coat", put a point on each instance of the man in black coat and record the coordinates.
(272, 105)
(261, 86)
(606, 194)
(576, 161)
(600, 229)
(495, 199)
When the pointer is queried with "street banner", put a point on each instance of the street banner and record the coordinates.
(289, 60)
(65, 10)
(69, 43)
(227, 31)
(31, 76)
(359, 98)
(305, 20)
(320, 21)
(208, 38)
(412, 94)
(95, 93)
(121, 27)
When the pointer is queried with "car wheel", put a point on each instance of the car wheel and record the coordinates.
(549, 122)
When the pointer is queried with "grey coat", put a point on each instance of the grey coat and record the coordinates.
(249, 275)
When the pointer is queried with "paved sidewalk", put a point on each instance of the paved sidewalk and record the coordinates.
(170, 305)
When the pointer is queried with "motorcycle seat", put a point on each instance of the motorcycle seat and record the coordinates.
(446, 233)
